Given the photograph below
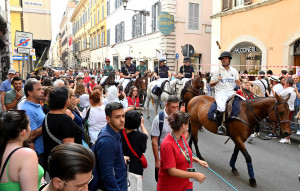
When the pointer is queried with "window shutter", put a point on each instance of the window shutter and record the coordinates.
(144, 24)
(123, 30)
(159, 8)
(196, 16)
(247, 2)
(226, 5)
(191, 16)
(108, 38)
(133, 27)
(153, 18)
(141, 24)
(116, 32)
(102, 11)
(138, 25)
(115, 4)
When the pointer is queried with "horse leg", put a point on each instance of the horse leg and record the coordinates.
(194, 137)
(233, 160)
(252, 180)
(148, 102)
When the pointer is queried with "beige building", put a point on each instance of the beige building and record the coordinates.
(67, 56)
(260, 34)
(81, 25)
(56, 52)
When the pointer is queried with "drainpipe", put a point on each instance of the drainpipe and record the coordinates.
(7, 9)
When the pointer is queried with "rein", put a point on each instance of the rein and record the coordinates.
(194, 90)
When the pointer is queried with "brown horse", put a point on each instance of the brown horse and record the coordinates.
(252, 111)
(141, 83)
(192, 88)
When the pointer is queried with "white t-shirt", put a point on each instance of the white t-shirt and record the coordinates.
(292, 99)
(97, 120)
(228, 81)
(278, 88)
(155, 128)
(260, 84)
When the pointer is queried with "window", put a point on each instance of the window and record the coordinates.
(120, 32)
(89, 14)
(208, 28)
(98, 40)
(102, 11)
(95, 42)
(193, 16)
(118, 3)
(156, 8)
(138, 25)
(94, 19)
(238, 3)
(91, 43)
(98, 15)
(108, 37)
(107, 8)
(102, 38)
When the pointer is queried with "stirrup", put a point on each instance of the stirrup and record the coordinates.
(221, 130)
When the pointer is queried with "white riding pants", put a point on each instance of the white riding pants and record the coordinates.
(184, 80)
(221, 98)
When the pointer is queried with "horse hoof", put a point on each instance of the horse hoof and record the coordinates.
(235, 173)
(252, 182)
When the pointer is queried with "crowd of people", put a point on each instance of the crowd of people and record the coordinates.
(61, 122)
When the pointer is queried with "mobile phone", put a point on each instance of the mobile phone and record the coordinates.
(191, 170)
(120, 89)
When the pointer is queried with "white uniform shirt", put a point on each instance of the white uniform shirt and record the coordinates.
(292, 99)
(260, 84)
(228, 81)
(155, 127)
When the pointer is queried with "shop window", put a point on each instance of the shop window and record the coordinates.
(297, 48)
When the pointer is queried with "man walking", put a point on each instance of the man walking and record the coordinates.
(161, 127)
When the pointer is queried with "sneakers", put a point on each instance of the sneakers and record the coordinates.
(252, 135)
(298, 132)
(272, 136)
(285, 141)
(249, 139)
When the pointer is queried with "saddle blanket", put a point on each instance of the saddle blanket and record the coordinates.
(235, 109)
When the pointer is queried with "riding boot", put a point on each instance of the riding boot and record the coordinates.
(221, 128)
(158, 90)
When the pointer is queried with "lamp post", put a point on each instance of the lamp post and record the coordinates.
(143, 12)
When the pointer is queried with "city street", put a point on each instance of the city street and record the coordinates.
(276, 166)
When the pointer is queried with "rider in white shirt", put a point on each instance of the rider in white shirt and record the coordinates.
(224, 80)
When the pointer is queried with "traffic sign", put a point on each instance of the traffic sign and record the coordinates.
(188, 50)
(23, 51)
(32, 52)
(177, 56)
(23, 39)
(34, 58)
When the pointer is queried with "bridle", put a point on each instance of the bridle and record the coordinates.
(194, 90)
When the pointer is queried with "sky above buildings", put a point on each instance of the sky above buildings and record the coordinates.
(57, 10)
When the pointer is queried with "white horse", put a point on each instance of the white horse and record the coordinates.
(173, 87)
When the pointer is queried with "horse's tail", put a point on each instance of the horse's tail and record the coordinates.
(152, 101)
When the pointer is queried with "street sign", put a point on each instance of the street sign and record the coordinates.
(19, 57)
(166, 23)
(188, 50)
(34, 58)
(32, 52)
(23, 51)
(23, 39)
(177, 56)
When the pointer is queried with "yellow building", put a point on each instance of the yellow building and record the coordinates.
(98, 33)
(260, 34)
(81, 25)
(89, 31)
(32, 16)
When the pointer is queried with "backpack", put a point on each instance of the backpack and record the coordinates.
(97, 183)
(161, 117)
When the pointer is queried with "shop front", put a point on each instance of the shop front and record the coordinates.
(246, 56)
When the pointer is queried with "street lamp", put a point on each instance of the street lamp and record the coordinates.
(143, 12)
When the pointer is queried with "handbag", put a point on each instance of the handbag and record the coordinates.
(143, 159)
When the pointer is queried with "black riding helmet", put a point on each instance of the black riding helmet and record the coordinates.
(225, 54)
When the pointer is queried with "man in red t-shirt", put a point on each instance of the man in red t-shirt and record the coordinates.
(90, 85)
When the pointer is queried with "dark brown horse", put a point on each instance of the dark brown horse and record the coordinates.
(192, 88)
(141, 84)
(252, 111)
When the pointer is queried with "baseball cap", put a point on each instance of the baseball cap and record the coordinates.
(11, 71)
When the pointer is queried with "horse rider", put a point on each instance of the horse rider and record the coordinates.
(142, 68)
(186, 71)
(107, 68)
(224, 80)
(128, 71)
(162, 73)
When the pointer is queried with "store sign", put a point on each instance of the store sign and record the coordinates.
(166, 23)
(33, 3)
(244, 50)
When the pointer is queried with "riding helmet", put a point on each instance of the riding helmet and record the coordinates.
(187, 59)
(128, 57)
(225, 54)
(162, 59)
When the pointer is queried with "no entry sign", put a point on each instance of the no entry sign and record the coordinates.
(23, 39)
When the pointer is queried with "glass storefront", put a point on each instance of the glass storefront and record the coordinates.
(247, 56)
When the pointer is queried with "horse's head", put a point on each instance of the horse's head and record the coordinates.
(198, 82)
(141, 82)
(279, 114)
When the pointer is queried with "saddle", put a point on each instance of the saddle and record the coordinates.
(155, 91)
(232, 110)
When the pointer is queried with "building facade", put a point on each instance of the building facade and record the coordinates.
(133, 33)
(56, 53)
(81, 25)
(35, 17)
(67, 56)
(260, 34)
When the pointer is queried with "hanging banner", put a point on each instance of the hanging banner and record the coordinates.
(166, 23)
